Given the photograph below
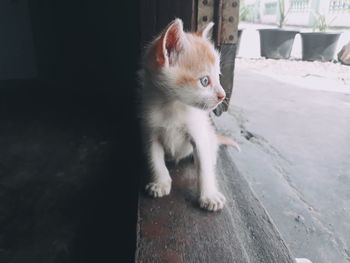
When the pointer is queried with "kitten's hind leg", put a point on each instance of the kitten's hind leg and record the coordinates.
(160, 184)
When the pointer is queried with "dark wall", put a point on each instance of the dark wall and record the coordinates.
(157, 14)
(17, 57)
(89, 51)
(86, 55)
(86, 40)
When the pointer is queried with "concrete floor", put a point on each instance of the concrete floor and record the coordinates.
(295, 145)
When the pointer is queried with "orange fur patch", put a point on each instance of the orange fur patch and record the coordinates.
(185, 79)
(201, 54)
(206, 49)
(203, 47)
(198, 33)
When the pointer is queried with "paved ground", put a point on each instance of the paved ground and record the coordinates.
(311, 75)
(295, 144)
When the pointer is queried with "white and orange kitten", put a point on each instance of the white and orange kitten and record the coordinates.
(180, 86)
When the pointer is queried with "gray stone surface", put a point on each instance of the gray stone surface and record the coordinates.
(295, 145)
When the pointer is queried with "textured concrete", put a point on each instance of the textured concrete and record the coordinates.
(295, 154)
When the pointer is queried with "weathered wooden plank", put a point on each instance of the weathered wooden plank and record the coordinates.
(230, 19)
(174, 229)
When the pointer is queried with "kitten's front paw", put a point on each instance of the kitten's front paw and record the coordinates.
(158, 189)
(212, 202)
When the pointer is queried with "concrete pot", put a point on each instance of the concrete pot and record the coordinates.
(319, 46)
(276, 43)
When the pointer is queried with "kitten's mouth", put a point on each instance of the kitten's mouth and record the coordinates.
(205, 106)
(217, 105)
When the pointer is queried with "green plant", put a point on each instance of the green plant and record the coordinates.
(321, 22)
(283, 13)
(246, 12)
(243, 12)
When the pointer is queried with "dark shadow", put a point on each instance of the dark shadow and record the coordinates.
(70, 151)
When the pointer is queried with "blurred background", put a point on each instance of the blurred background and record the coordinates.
(290, 112)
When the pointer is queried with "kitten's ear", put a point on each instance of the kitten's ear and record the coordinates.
(204, 32)
(170, 43)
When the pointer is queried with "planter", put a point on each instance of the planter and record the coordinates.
(276, 43)
(319, 45)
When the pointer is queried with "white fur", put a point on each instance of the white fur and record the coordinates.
(176, 124)
(205, 31)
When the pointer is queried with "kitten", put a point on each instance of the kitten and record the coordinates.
(180, 79)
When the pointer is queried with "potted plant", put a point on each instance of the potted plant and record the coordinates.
(319, 45)
(277, 43)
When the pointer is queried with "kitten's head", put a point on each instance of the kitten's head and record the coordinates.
(186, 66)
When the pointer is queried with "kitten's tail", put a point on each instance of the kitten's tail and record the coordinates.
(227, 141)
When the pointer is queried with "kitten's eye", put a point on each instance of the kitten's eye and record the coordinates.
(204, 81)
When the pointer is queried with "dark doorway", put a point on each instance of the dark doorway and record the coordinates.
(70, 154)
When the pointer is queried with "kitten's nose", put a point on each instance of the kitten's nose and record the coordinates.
(220, 96)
